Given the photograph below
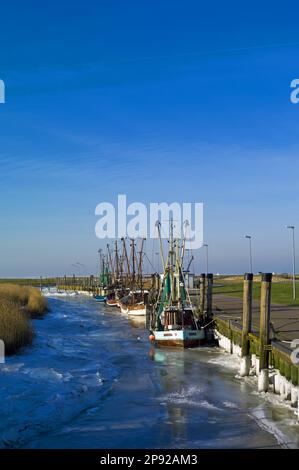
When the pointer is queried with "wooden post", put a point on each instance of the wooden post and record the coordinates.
(202, 293)
(263, 383)
(246, 324)
(210, 295)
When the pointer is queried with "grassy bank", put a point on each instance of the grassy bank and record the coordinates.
(18, 304)
(281, 291)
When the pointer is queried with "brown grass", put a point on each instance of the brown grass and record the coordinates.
(29, 299)
(17, 305)
(37, 304)
(15, 326)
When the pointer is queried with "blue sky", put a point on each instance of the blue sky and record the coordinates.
(161, 100)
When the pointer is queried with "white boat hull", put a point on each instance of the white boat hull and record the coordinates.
(139, 312)
(179, 338)
(136, 311)
(123, 309)
(112, 303)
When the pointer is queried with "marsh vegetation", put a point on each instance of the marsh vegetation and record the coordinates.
(18, 305)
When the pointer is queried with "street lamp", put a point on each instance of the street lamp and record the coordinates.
(292, 227)
(207, 256)
(250, 252)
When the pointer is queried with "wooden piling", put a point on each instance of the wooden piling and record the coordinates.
(202, 293)
(265, 311)
(209, 313)
(246, 324)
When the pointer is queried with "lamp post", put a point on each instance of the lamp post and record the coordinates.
(250, 253)
(292, 227)
(207, 256)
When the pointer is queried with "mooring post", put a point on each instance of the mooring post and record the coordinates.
(202, 293)
(263, 380)
(246, 324)
(209, 295)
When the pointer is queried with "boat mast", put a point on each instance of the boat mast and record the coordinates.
(116, 262)
(140, 265)
(186, 224)
(111, 264)
(178, 272)
(126, 258)
(100, 264)
(121, 268)
(104, 269)
(171, 259)
(158, 225)
(133, 264)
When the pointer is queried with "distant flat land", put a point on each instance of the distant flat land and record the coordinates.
(28, 281)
